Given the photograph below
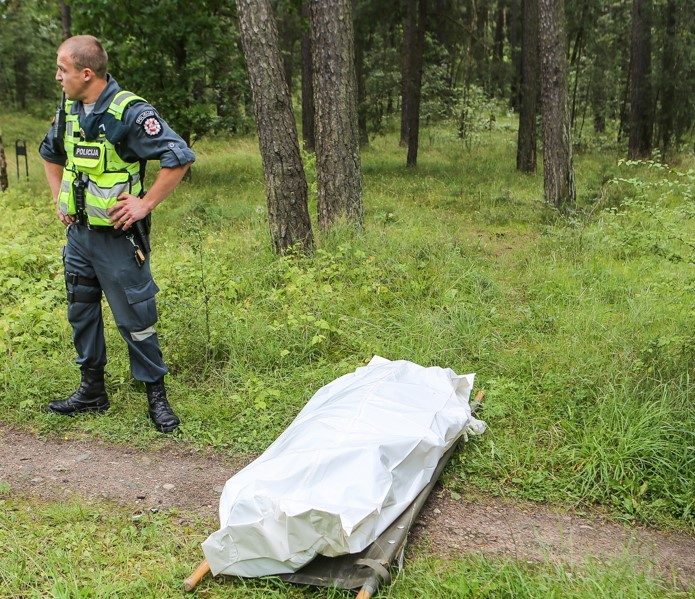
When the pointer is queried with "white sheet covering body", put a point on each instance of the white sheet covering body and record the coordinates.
(350, 463)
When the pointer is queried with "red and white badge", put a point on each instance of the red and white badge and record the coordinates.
(152, 126)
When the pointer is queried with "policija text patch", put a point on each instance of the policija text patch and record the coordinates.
(92, 152)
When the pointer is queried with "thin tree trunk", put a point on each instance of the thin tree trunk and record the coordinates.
(499, 71)
(558, 174)
(441, 16)
(480, 48)
(599, 70)
(288, 213)
(415, 92)
(339, 176)
(514, 37)
(183, 82)
(4, 181)
(361, 95)
(575, 87)
(668, 67)
(622, 120)
(22, 78)
(409, 35)
(65, 19)
(287, 53)
(307, 84)
(641, 120)
(526, 145)
(576, 59)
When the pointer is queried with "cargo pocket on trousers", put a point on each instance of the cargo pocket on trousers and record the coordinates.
(142, 303)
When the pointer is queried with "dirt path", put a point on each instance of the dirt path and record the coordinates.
(53, 469)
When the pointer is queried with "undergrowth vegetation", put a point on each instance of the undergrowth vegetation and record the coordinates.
(580, 327)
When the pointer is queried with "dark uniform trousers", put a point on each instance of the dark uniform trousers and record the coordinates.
(97, 260)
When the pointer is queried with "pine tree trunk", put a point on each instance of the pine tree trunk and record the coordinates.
(408, 48)
(599, 69)
(339, 176)
(288, 214)
(4, 181)
(480, 46)
(415, 89)
(288, 62)
(640, 140)
(499, 69)
(22, 78)
(307, 85)
(361, 96)
(514, 37)
(441, 14)
(526, 144)
(65, 19)
(668, 68)
(558, 174)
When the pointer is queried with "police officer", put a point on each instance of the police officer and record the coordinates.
(94, 157)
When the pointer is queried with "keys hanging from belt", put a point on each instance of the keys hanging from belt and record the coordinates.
(139, 254)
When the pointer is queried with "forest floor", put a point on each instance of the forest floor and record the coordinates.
(172, 478)
(578, 327)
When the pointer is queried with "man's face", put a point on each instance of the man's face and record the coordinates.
(74, 82)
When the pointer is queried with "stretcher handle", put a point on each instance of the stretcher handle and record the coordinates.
(369, 588)
(192, 581)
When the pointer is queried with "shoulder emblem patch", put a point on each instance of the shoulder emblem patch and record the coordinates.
(143, 115)
(152, 126)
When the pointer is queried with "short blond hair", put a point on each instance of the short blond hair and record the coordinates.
(86, 52)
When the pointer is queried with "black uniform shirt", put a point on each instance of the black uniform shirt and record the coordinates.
(143, 134)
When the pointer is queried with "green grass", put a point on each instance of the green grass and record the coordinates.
(72, 549)
(580, 328)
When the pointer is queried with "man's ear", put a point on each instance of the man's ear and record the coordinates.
(87, 74)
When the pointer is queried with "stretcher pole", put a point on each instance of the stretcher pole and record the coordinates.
(192, 581)
(369, 588)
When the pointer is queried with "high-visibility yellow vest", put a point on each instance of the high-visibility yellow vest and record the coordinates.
(104, 173)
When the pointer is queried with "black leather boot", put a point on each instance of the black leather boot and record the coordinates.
(90, 396)
(159, 409)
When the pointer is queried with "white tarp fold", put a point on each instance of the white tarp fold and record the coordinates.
(350, 463)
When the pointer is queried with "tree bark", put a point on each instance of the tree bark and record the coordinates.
(558, 174)
(668, 92)
(526, 144)
(286, 23)
(339, 175)
(361, 84)
(576, 60)
(409, 37)
(480, 46)
(4, 181)
(22, 78)
(641, 116)
(288, 213)
(415, 89)
(599, 70)
(307, 84)
(514, 37)
(65, 19)
(498, 69)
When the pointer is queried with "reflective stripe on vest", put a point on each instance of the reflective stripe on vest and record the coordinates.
(102, 188)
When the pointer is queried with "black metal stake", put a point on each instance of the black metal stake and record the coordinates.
(20, 149)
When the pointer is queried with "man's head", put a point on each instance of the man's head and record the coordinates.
(82, 67)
